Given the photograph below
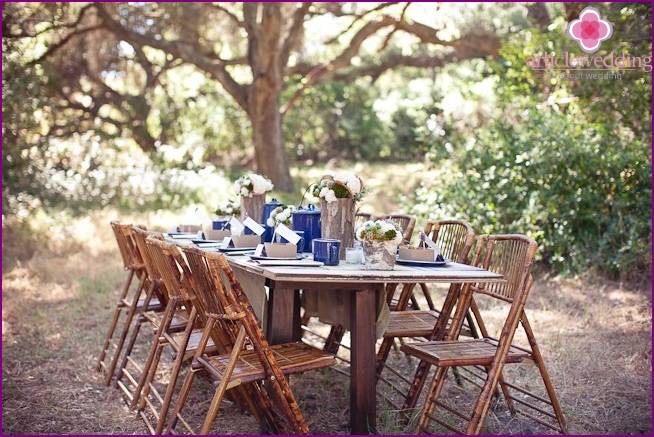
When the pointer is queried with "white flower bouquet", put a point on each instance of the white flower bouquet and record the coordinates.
(280, 215)
(339, 186)
(379, 230)
(251, 184)
(227, 208)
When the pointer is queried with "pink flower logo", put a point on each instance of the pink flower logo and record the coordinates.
(590, 30)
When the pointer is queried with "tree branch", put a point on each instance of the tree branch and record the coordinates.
(294, 32)
(214, 67)
(53, 48)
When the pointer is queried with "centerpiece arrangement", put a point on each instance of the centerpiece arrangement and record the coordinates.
(226, 209)
(380, 241)
(275, 248)
(338, 193)
(252, 188)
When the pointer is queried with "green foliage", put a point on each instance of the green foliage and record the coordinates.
(336, 120)
(563, 161)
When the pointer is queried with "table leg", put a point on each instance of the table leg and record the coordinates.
(363, 400)
(283, 324)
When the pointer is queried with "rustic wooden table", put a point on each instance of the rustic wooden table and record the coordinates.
(283, 321)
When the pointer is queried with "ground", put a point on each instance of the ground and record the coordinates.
(58, 297)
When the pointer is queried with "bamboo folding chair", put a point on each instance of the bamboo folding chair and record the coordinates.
(455, 239)
(512, 256)
(127, 306)
(360, 218)
(250, 360)
(181, 312)
(172, 319)
(406, 221)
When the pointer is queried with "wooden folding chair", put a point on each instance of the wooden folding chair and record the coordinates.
(127, 306)
(512, 256)
(181, 312)
(172, 319)
(361, 217)
(455, 238)
(406, 221)
(250, 360)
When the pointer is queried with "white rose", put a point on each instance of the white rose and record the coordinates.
(354, 184)
(270, 222)
(323, 192)
(330, 196)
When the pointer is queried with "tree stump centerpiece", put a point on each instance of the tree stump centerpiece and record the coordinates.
(339, 194)
(252, 188)
(380, 241)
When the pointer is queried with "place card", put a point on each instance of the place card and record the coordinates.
(254, 226)
(225, 243)
(287, 233)
(236, 226)
(259, 250)
(428, 241)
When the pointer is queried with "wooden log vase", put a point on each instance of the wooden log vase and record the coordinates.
(253, 206)
(337, 221)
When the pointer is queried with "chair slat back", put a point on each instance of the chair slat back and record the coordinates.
(165, 265)
(455, 238)
(125, 255)
(361, 217)
(208, 301)
(510, 255)
(139, 235)
(406, 221)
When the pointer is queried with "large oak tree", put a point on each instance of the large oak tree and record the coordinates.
(252, 50)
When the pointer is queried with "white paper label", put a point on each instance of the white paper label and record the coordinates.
(259, 250)
(236, 226)
(225, 243)
(254, 226)
(437, 251)
(287, 233)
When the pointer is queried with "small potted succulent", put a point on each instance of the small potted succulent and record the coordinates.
(380, 241)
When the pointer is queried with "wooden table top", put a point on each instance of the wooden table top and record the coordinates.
(450, 273)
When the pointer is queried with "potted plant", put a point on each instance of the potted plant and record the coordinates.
(380, 241)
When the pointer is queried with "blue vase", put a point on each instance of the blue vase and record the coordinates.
(267, 209)
(307, 220)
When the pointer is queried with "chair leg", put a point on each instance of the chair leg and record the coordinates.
(425, 292)
(177, 366)
(432, 398)
(114, 321)
(181, 400)
(334, 338)
(128, 349)
(153, 361)
(382, 354)
(540, 363)
(224, 383)
(125, 331)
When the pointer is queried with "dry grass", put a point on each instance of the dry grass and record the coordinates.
(58, 297)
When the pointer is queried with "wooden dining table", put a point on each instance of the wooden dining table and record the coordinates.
(283, 312)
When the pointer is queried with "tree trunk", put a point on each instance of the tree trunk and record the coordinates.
(268, 138)
(266, 43)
